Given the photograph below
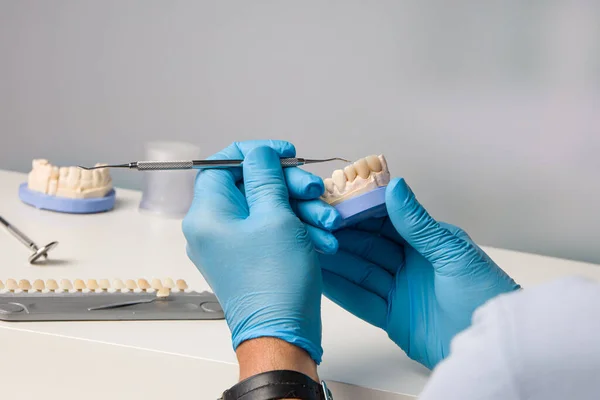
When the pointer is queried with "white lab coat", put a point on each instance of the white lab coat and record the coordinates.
(541, 343)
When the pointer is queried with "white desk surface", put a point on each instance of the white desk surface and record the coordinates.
(125, 243)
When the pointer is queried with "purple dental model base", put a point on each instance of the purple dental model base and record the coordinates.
(363, 207)
(66, 205)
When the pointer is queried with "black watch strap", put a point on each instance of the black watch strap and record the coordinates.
(274, 385)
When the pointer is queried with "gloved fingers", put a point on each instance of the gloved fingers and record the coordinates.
(460, 233)
(359, 271)
(213, 187)
(424, 234)
(303, 185)
(264, 182)
(373, 248)
(317, 213)
(365, 305)
(238, 151)
(215, 193)
(381, 226)
(323, 241)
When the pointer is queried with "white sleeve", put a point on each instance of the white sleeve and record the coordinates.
(539, 343)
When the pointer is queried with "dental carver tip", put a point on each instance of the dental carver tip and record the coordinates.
(108, 166)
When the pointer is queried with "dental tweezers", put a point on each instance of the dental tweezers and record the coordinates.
(203, 164)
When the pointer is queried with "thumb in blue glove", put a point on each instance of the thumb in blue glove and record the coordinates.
(256, 255)
(418, 279)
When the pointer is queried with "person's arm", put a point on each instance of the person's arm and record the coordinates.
(539, 343)
(259, 258)
(271, 354)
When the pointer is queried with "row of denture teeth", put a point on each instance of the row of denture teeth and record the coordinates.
(93, 285)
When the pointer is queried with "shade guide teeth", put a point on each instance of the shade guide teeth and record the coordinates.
(163, 288)
(169, 283)
(181, 285)
(92, 284)
(51, 285)
(65, 285)
(38, 285)
(79, 285)
(118, 284)
(24, 284)
(156, 284)
(143, 284)
(12, 285)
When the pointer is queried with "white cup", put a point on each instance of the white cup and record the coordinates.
(169, 193)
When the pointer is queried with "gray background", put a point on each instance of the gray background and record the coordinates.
(489, 109)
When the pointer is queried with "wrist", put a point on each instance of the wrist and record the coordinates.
(265, 354)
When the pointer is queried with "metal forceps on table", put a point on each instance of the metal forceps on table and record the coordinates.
(204, 164)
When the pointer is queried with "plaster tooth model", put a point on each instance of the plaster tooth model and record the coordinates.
(70, 182)
(364, 175)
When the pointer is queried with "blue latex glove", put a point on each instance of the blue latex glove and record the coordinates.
(254, 252)
(418, 279)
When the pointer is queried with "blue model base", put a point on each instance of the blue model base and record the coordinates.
(363, 207)
(66, 205)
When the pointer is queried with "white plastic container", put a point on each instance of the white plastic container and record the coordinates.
(169, 193)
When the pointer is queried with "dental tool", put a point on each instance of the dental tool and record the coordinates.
(204, 164)
(37, 251)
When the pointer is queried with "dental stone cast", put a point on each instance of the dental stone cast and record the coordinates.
(71, 182)
(364, 175)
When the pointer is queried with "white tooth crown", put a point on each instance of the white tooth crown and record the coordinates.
(71, 182)
(364, 175)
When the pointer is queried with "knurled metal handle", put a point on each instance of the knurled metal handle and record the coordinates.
(163, 165)
(291, 162)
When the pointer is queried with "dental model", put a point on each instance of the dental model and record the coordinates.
(364, 175)
(70, 190)
(358, 191)
(69, 182)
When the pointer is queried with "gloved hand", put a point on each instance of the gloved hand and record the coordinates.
(418, 279)
(254, 252)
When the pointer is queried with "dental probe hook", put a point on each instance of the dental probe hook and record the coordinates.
(37, 251)
(203, 164)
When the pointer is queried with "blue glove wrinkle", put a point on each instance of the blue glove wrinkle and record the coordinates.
(374, 248)
(364, 304)
(359, 271)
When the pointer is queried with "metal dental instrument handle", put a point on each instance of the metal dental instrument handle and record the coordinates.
(203, 164)
(125, 304)
(37, 251)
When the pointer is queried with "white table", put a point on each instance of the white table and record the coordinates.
(187, 357)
